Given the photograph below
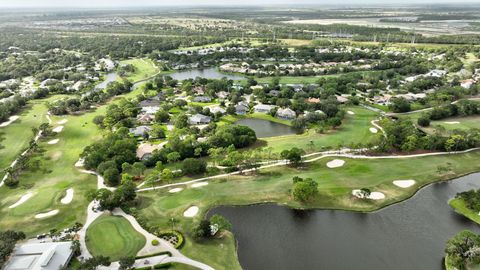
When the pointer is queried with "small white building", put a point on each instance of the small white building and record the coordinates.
(40, 256)
(287, 114)
(263, 108)
(467, 84)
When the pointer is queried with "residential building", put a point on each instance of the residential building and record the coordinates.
(263, 108)
(202, 99)
(467, 84)
(40, 256)
(199, 119)
(241, 109)
(140, 130)
(287, 114)
(145, 150)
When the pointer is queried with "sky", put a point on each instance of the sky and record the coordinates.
(132, 3)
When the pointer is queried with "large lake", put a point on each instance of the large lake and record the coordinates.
(410, 235)
(208, 73)
(265, 128)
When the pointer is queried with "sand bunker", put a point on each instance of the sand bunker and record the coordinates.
(373, 196)
(55, 141)
(191, 212)
(47, 214)
(201, 184)
(373, 130)
(175, 190)
(11, 119)
(452, 123)
(68, 197)
(58, 129)
(335, 163)
(79, 163)
(350, 112)
(404, 183)
(63, 121)
(23, 199)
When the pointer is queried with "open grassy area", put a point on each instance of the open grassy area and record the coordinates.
(114, 237)
(231, 119)
(295, 79)
(15, 137)
(274, 185)
(461, 208)
(354, 130)
(144, 68)
(464, 123)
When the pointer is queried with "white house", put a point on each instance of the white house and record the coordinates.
(199, 119)
(263, 108)
(467, 84)
(286, 113)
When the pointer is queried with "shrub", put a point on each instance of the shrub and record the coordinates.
(162, 266)
(154, 254)
(155, 242)
(424, 121)
(171, 233)
(143, 268)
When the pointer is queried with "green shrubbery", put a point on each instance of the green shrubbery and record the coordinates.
(171, 233)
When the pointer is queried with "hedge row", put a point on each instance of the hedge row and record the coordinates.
(179, 235)
(154, 254)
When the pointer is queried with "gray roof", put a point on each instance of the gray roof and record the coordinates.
(199, 118)
(40, 256)
(202, 99)
(140, 130)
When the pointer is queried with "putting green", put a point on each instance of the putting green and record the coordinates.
(114, 237)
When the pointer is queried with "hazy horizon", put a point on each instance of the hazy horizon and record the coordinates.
(140, 3)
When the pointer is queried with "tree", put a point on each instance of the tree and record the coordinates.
(162, 116)
(192, 166)
(166, 175)
(112, 176)
(181, 121)
(173, 157)
(126, 263)
(400, 105)
(424, 121)
(202, 230)
(293, 155)
(304, 189)
(222, 222)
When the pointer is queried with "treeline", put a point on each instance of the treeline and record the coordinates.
(12, 106)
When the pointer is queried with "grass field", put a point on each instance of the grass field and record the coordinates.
(274, 185)
(114, 237)
(354, 130)
(465, 123)
(295, 79)
(231, 119)
(144, 68)
(461, 208)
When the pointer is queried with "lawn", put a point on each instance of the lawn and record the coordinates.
(274, 185)
(295, 79)
(354, 130)
(114, 237)
(144, 69)
(461, 208)
(231, 119)
(465, 123)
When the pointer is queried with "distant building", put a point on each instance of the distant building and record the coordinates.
(241, 109)
(40, 256)
(222, 95)
(263, 108)
(145, 150)
(202, 99)
(341, 99)
(313, 100)
(140, 130)
(199, 119)
(145, 118)
(287, 114)
(467, 84)
(149, 103)
(217, 109)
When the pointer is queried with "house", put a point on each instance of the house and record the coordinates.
(313, 100)
(241, 109)
(40, 256)
(222, 95)
(436, 73)
(199, 119)
(78, 86)
(263, 108)
(145, 118)
(202, 99)
(287, 114)
(198, 90)
(145, 150)
(296, 87)
(274, 93)
(150, 110)
(149, 103)
(467, 84)
(341, 99)
(160, 96)
(140, 130)
(217, 109)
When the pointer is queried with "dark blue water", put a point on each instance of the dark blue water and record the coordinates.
(410, 235)
(208, 73)
(265, 128)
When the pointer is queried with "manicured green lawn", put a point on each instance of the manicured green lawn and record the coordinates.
(354, 130)
(144, 68)
(461, 208)
(231, 119)
(465, 123)
(274, 185)
(114, 237)
(295, 79)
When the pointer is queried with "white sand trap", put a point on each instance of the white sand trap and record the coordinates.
(201, 184)
(79, 163)
(452, 123)
(335, 163)
(191, 212)
(350, 112)
(373, 196)
(23, 199)
(47, 214)
(68, 197)
(58, 129)
(62, 122)
(175, 190)
(404, 183)
(55, 141)
(11, 119)
(373, 130)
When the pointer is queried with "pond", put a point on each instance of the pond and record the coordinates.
(208, 73)
(110, 77)
(408, 235)
(265, 128)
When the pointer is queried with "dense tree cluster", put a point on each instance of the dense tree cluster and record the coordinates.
(463, 250)
(304, 189)
(8, 239)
